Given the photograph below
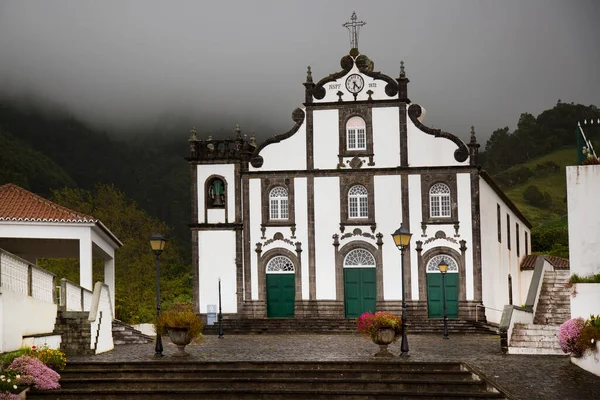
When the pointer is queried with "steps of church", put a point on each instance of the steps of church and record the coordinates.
(126, 334)
(535, 339)
(336, 326)
(554, 303)
(269, 380)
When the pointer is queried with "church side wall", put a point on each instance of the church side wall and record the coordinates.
(388, 203)
(255, 234)
(386, 136)
(327, 215)
(463, 183)
(415, 216)
(427, 150)
(497, 259)
(301, 203)
(325, 138)
(227, 172)
(216, 258)
(289, 154)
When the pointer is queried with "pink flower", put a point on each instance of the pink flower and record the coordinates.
(36, 373)
(568, 334)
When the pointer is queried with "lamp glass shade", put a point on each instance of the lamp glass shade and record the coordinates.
(443, 266)
(401, 237)
(157, 242)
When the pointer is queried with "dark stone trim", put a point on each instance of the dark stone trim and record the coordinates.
(264, 258)
(365, 66)
(347, 181)
(461, 154)
(490, 181)
(476, 235)
(403, 135)
(403, 89)
(209, 180)
(312, 274)
(344, 115)
(298, 117)
(319, 91)
(427, 181)
(268, 184)
(218, 227)
(338, 106)
(310, 158)
(428, 255)
(298, 173)
(406, 223)
(246, 239)
(194, 188)
(340, 255)
(195, 271)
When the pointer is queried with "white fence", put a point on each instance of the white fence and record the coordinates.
(24, 278)
(73, 297)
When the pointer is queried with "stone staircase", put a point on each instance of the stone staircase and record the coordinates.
(74, 329)
(167, 379)
(126, 334)
(554, 308)
(336, 326)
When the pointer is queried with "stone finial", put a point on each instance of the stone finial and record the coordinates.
(473, 138)
(309, 75)
(209, 138)
(193, 134)
(402, 72)
(238, 131)
(253, 140)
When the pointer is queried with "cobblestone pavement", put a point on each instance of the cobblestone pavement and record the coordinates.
(521, 377)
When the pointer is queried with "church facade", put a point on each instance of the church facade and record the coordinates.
(299, 226)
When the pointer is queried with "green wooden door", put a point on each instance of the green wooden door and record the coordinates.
(281, 291)
(435, 305)
(359, 291)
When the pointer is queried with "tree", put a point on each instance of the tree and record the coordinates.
(534, 196)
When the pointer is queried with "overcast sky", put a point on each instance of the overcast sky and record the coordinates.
(217, 63)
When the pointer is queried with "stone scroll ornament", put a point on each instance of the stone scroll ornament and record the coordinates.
(298, 117)
(461, 154)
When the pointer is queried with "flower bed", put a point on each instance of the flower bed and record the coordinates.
(368, 324)
(578, 337)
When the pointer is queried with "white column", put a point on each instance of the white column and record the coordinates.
(109, 280)
(85, 261)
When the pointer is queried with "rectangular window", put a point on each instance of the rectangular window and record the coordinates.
(274, 209)
(517, 238)
(351, 139)
(499, 223)
(361, 139)
(526, 243)
(353, 207)
(445, 206)
(508, 231)
(284, 209)
(435, 206)
(364, 208)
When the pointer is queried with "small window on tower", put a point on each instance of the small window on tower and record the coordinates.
(278, 203)
(356, 132)
(439, 201)
(358, 206)
(216, 193)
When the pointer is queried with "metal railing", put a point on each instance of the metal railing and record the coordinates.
(478, 306)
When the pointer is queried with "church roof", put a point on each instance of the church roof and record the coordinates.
(18, 204)
(528, 262)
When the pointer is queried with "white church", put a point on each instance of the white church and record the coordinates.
(299, 226)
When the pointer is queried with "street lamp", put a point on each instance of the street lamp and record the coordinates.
(401, 240)
(157, 243)
(443, 267)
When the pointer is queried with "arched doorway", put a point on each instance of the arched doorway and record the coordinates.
(281, 287)
(435, 305)
(360, 291)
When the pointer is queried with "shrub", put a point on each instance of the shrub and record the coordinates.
(180, 315)
(535, 197)
(568, 336)
(54, 359)
(584, 279)
(34, 372)
(368, 324)
(7, 358)
(9, 381)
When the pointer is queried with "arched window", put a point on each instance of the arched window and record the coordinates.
(357, 202)
(359, 258)
(280, 265)
(216, 193)
(278, 203)
(433, 264)
(356, 134)
(439, 201)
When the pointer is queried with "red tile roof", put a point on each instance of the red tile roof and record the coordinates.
(528, 262)
(558, 262)
(18, 204)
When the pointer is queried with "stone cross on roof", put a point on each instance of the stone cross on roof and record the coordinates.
(354, 26)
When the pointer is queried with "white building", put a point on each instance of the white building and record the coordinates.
(299, 226)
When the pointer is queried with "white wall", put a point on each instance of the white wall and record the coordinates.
(386, 136)
(463, 185)
(301, 218)
(326, 144)
(497, 260)
(427, 150)
(327, 217)
(13, 308)
(583, 192)
(388, 206)
(227, 172)
(416, 216)
(289, 154)
(339, 85)
(216, 256)
(255, 233)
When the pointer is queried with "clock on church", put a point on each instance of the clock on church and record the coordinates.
(355, 83)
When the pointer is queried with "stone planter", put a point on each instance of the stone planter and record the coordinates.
(383, 337)
(179, 337)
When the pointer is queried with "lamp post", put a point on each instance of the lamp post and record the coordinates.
(157, 243)
(443, 267)
(401, 240)
(220, 336)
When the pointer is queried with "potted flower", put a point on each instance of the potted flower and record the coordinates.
(181, 324)
(382, 328)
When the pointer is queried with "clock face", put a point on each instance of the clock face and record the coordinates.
(355, 83)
